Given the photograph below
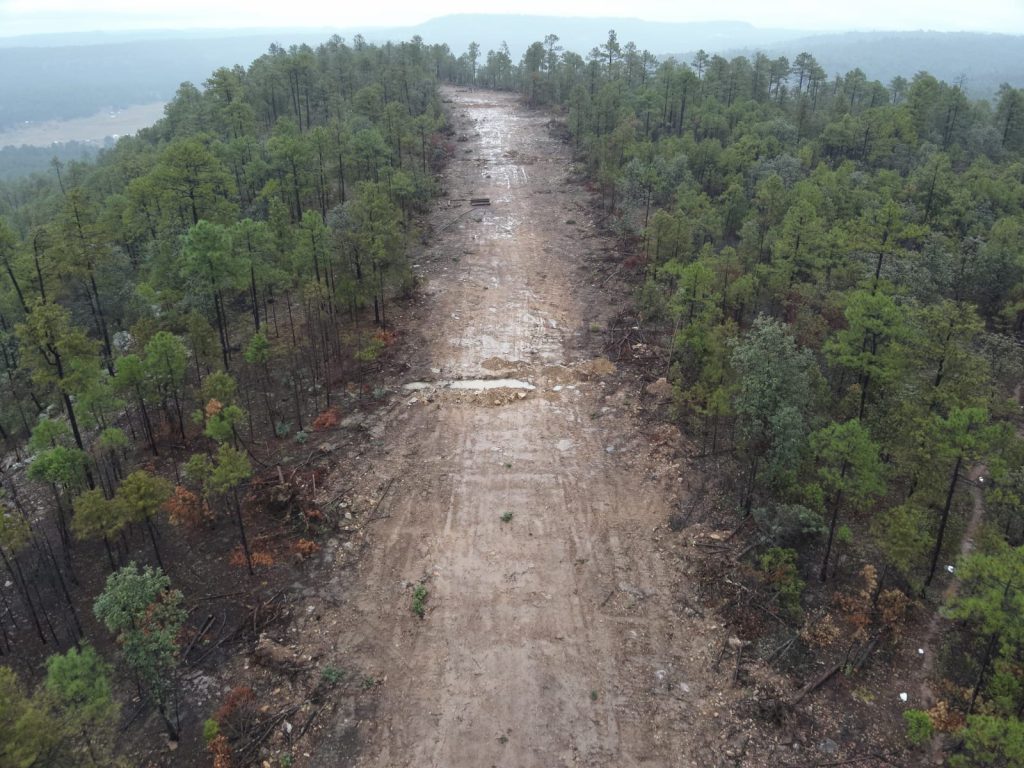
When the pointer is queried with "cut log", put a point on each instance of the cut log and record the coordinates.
(815, 684)
(477, 201)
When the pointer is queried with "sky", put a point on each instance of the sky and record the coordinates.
(19, 17)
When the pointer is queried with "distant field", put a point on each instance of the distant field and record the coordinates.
(94, 128)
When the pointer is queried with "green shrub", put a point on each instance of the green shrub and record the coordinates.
(331, 675)
(919, 726)
(419, 600)
(844, 535)
(779, 567)
(790, 525)
(371, 351)
(211, 730)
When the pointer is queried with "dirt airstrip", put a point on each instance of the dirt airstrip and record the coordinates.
(555, 631)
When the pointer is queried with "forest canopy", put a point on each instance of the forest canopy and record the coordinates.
(833, 267)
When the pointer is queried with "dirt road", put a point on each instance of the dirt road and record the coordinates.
(554, 632)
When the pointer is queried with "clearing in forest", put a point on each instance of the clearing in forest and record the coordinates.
(552, 632)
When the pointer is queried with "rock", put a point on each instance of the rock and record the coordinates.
(660, 390)
(738, 744)
(595, 369)
(829, 747)
(273, 655)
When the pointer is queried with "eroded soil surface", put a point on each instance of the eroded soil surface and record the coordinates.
(554, 632)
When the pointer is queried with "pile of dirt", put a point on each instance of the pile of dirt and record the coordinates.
(661, 390)
(598, 368)
(507, 367)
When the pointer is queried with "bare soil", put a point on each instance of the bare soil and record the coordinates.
(555, 631)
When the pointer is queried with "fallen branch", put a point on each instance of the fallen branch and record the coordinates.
(613, 273)
(764, 608)
(255, 742)
(461, 215)
(218, 597)
(863, 656)
(134, 716)
(848, 761)
(221, 638)
(815, 684)
(740, 555)
(309, 721)
(202, 631)
(373, 515)
(688, 604)
(777, 653)
(721, 653)
(739, 660)
(738, 528)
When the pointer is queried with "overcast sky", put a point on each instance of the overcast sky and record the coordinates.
(19, 17)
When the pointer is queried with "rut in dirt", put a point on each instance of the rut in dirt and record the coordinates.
(551, 635)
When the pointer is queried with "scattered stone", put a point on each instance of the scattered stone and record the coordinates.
(829, 747)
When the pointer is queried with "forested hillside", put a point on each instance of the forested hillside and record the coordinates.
(170, 314)
(17, 162)
(829, 271)
(833, 268)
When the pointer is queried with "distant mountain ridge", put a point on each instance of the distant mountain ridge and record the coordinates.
(458, 30)
(980, 62)
(60, 76)
(582, 34)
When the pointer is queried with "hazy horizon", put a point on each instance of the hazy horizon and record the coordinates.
(31, 17)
